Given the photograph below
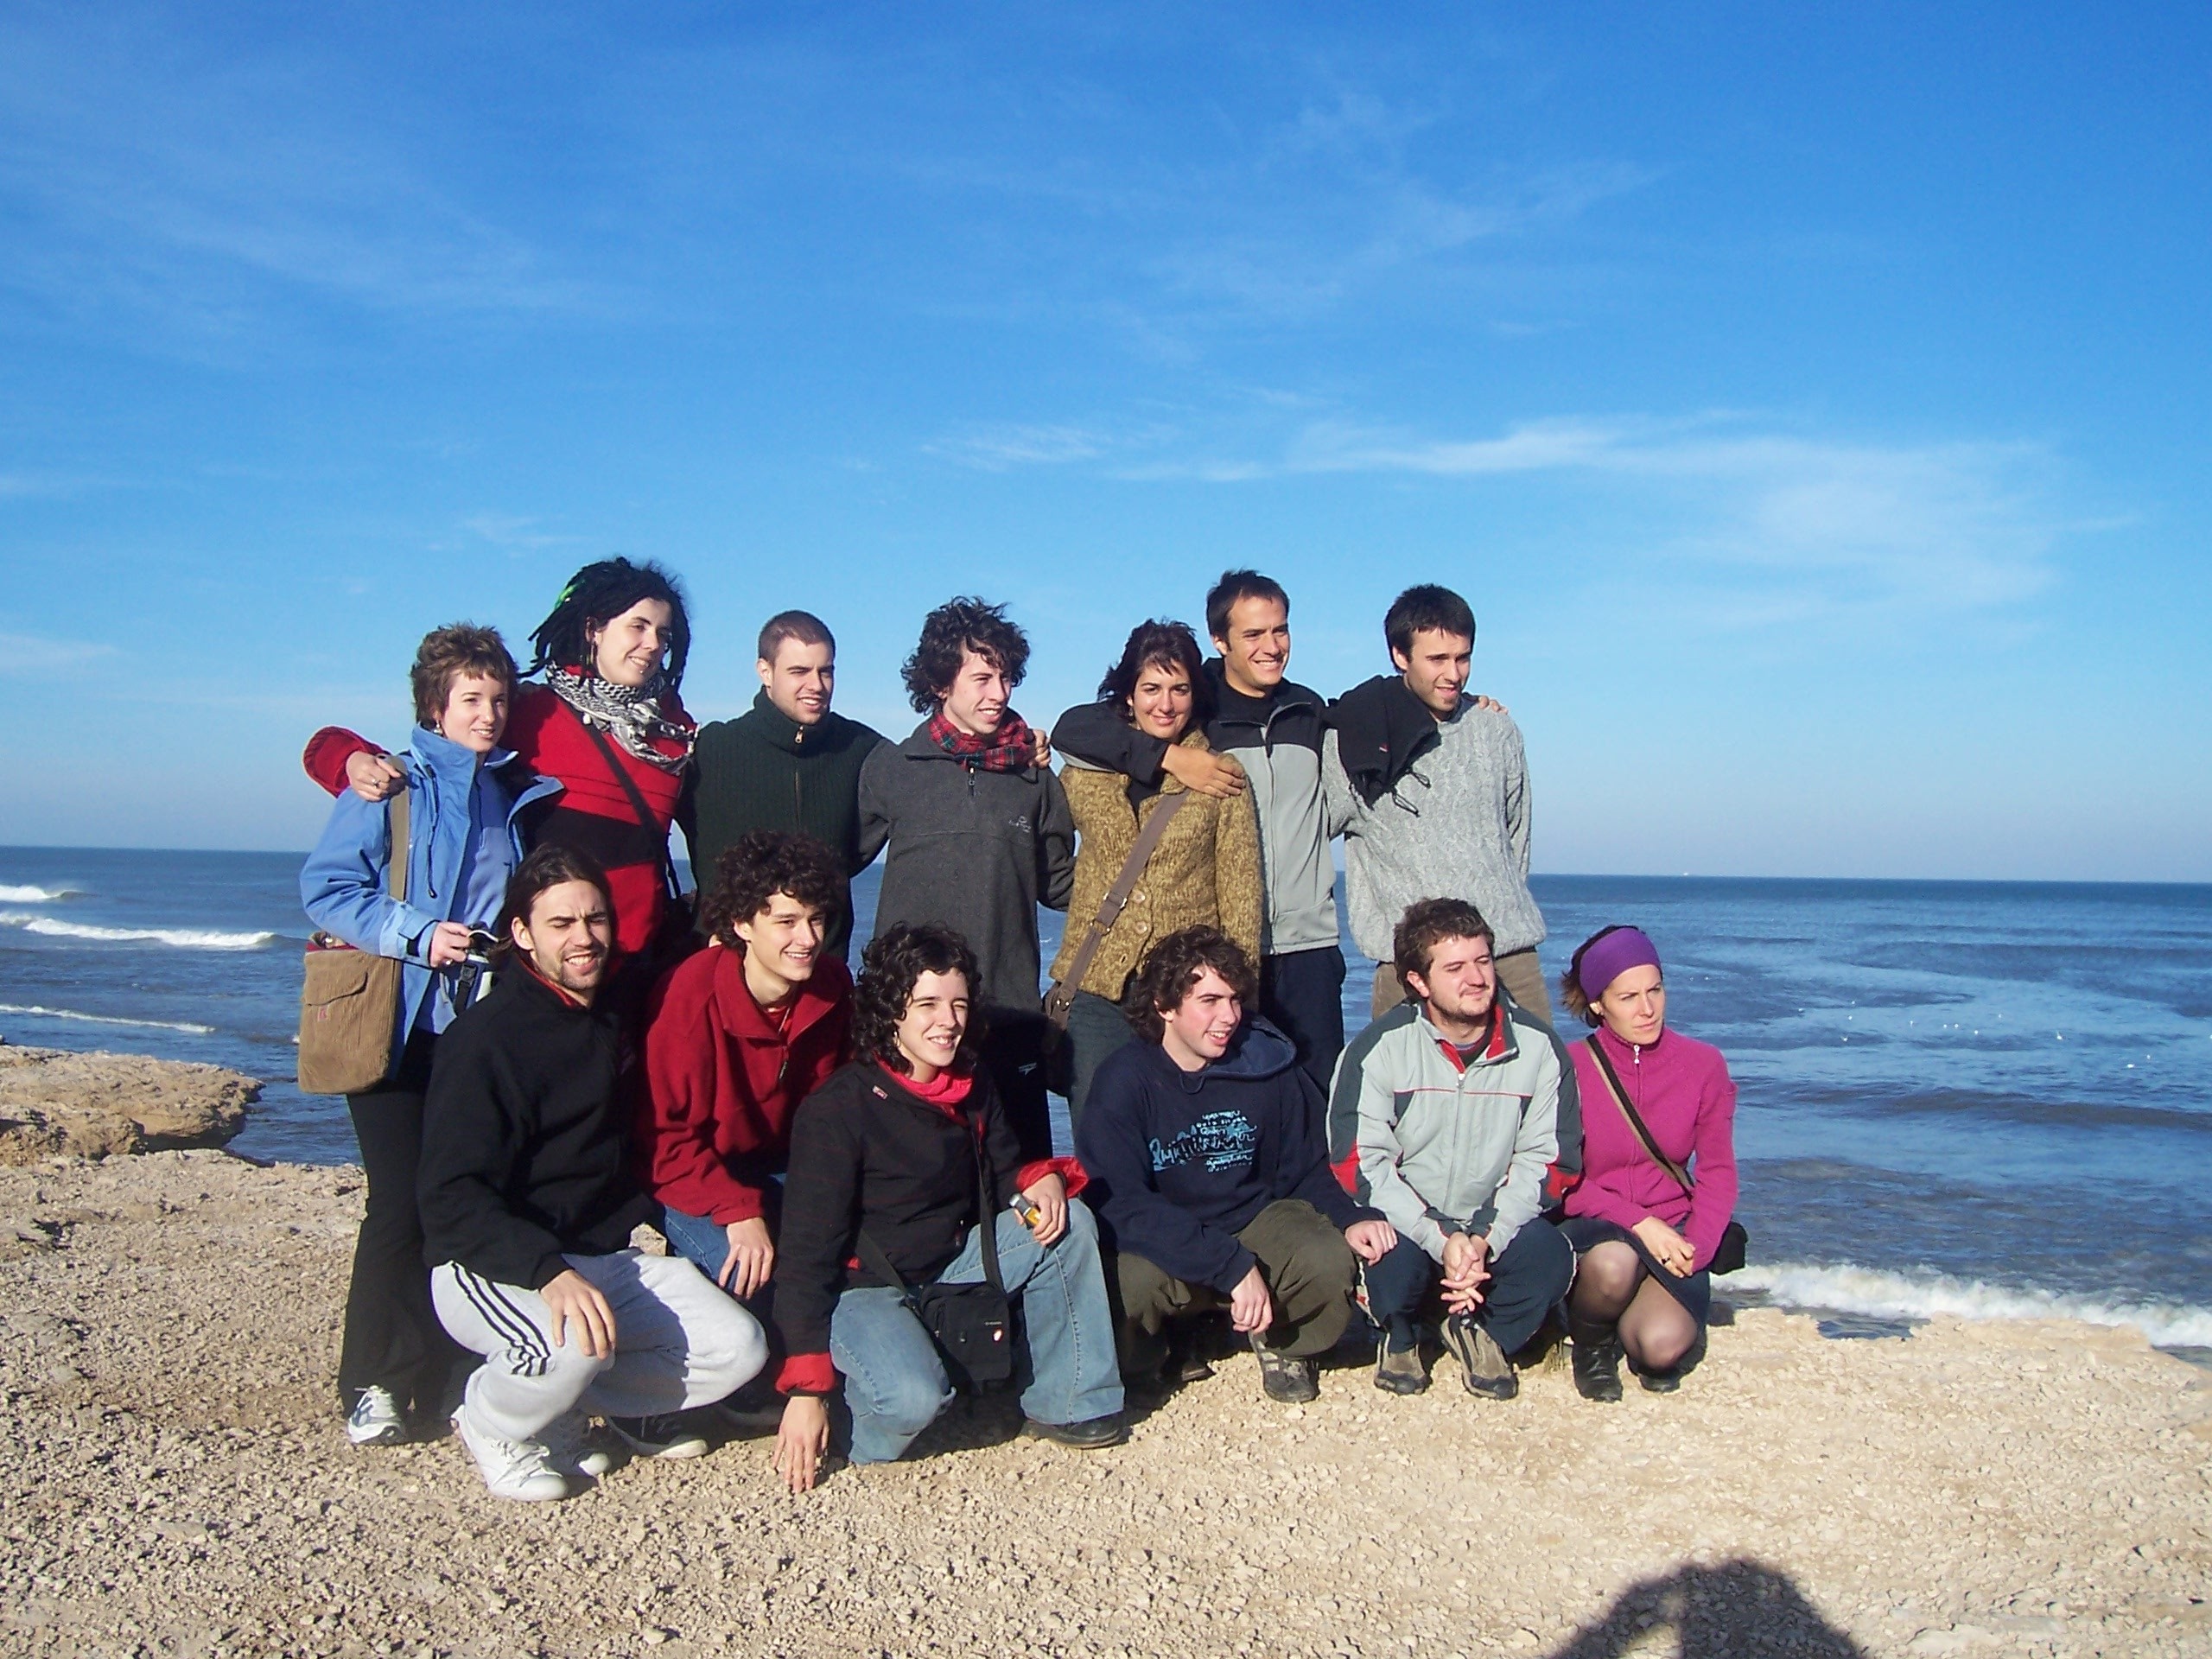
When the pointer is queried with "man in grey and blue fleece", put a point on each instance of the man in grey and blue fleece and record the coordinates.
(1430, 789)
(1450, 1116)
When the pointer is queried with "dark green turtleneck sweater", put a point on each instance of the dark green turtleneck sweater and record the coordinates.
(763, 771)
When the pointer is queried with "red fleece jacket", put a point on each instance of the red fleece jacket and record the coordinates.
(723, 1078)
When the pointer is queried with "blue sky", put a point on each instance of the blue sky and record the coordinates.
(1811, 401)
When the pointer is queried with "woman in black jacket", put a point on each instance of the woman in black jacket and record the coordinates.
(891, 1145)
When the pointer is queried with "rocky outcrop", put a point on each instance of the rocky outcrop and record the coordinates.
(53, 1102)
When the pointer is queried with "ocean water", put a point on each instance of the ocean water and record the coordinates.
(1988, 1099)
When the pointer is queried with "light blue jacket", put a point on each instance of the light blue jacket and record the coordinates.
(342, 886)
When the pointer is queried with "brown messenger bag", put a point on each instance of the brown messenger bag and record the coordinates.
(349, 999)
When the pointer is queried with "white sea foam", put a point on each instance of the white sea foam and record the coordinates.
(185, 939)
(13, 895)
(1919, 1296)
(102, 1018)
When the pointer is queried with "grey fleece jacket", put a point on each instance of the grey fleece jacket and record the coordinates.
(1443, 1145)
(973, 850)
(1456, 826)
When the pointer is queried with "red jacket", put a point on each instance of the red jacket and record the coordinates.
(593, 814)
(714, 1125)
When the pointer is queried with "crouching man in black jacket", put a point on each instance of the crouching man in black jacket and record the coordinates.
(528, 1203)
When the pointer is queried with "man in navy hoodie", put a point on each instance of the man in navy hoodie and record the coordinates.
(1210, 1173)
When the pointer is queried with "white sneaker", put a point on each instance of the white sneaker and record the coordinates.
(512, 1469)
(571, 1448)
(665, 1436)
(375, 1419)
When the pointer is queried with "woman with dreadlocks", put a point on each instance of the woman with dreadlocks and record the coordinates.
(605, 722)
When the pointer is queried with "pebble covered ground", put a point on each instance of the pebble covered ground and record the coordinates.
(174, 1480)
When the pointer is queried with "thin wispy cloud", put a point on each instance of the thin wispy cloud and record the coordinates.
(31, 656)
(513, 532)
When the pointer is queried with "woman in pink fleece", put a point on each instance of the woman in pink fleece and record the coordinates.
(1642, 1242)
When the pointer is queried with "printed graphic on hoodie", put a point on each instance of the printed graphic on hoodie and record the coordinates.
(1216, 1142)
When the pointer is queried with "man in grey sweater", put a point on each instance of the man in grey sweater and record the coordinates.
(1429, 788)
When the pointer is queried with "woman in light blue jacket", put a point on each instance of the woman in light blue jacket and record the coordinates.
(465, 805)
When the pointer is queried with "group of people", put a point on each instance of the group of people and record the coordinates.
(856, 1176)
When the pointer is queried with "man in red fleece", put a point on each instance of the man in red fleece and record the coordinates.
(738, 1035)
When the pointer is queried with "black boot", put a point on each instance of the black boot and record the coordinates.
(1597, 1359)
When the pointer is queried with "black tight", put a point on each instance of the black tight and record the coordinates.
(1612, 1288)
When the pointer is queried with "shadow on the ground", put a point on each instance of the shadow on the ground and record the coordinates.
(1711, 1612)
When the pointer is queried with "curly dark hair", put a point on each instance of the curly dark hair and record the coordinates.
(447, 653)
(891, 965)
(1570, 982)
(756, 867)
(949, 633)
(1166, 645)
(597, 594)
(1425, 924)
(1173, 966)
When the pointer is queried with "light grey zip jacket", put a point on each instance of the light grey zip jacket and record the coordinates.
(1440, 1149)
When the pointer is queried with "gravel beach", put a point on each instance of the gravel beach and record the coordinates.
(174, 1480)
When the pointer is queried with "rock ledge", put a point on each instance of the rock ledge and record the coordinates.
(55, 1102)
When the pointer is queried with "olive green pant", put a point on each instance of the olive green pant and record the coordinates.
(1517, 970)
(1303, 1256)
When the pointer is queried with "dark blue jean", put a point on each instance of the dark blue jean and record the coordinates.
(1530, 1275)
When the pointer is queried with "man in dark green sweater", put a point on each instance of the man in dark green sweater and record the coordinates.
(788, 763)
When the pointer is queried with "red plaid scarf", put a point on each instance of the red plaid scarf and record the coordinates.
(1010, 748)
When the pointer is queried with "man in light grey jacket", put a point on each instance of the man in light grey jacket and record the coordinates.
(1429, 788)
(1449, 1107)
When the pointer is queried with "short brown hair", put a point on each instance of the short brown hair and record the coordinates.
(757, 866)
(1174, 965)
(446, 654)
(803, 626)
(1425, 924)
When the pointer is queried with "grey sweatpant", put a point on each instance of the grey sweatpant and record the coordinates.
(678, 1342)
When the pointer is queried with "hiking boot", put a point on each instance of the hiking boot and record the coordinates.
(1187, 1353)
(1291, 1380)
(512, 1469)
(1400, 1371)
(375, 1419)
(571, 1449)
(1090, 1436)
(1596, 1360)
(1483, 1368)
(667, 1435)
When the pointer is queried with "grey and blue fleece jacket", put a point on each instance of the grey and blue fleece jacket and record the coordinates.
(1181, 1161)
(1442, 1144)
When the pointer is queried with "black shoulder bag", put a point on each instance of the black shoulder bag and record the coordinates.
(1728, 1253)
(971, 1324)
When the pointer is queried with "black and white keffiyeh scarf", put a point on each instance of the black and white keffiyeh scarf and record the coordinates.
(630, 713)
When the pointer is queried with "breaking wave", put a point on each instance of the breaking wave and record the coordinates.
(103, 1019)
(184, 938)
(1917, 1296)
(14, 895)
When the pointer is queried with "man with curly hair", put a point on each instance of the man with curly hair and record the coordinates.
(737, 1036)
(980, 836)
(1208, 1171)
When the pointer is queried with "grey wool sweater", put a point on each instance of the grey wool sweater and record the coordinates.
(1453, 825)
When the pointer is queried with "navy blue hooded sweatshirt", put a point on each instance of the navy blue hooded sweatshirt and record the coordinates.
(1181, 1161)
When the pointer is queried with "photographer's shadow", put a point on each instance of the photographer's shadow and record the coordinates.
(1711, 1612)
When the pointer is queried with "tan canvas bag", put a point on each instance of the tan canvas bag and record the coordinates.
(349, 1001)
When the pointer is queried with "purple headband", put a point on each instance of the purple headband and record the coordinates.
(1611, 957)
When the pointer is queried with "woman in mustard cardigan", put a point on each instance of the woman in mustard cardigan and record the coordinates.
(1205, 872)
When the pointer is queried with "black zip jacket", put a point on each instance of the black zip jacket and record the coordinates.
(867, 1152)
(765, 770)
(1382, 729)
(526, 1152)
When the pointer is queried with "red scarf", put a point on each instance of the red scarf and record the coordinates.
(1010, 748)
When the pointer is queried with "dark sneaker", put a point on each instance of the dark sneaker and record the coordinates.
(1597, 1361)
(1293, 1382)
(665, 1436)
(1483, 1367)
(1401, 1372)
(375, 1419)
(572, 1451)
(1660, 1382)
(1099, 1431)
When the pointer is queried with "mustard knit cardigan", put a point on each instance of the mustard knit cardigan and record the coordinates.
(1205, 872)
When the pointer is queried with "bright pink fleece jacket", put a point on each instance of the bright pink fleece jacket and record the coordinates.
(1686, 1099)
